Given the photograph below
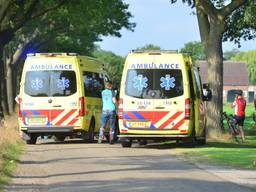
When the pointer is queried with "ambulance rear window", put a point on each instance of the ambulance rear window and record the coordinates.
(50, 83)
(154, 83)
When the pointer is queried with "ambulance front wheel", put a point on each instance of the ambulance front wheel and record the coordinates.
(127, 144)
(32, 139)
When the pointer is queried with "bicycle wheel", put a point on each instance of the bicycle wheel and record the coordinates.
(235, 134)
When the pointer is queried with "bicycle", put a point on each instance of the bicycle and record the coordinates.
(231, 122)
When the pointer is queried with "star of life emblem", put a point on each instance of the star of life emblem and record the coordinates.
(167, 82)
(140, 82)
(63, 83)
(37, 84)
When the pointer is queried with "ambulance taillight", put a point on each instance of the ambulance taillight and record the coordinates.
(187, 108)
(120, 108)
(19, 102)
(81, 106)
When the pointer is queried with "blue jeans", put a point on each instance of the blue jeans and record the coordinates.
(105, 117)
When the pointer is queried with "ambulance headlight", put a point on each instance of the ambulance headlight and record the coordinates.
(30, 54)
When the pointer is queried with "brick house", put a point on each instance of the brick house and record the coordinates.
(235, 77)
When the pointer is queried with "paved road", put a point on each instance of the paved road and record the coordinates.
(78, 167)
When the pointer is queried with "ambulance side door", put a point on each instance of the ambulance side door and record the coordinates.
(93, 85)
(199, 111)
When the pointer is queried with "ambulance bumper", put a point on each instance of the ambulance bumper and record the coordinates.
(153, 136)
(48, 129)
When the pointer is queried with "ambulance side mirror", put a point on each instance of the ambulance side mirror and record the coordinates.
(116, 92)
(207, 92)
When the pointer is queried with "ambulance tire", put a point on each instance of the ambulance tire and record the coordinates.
(201, 141)
(127, 144)
(91, 131)
(59, 138)
(32, 140)
(142, 142)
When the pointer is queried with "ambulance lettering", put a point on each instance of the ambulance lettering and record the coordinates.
(154, 66)
(38, 67)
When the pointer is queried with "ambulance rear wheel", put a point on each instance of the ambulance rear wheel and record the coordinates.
(91, 131)
(201, 140)
(32, 140)
(127, 144)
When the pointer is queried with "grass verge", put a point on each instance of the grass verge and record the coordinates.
(10, 149)
(10, 157)
(225, 153)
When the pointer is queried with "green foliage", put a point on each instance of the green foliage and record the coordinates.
(113, 65)
(74, 27)
(228, 55)
(250, 58)
(241, 24)
(195, 48)
(148, 47)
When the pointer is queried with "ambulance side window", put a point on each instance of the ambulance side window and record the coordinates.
(198, 84)
(93, 84)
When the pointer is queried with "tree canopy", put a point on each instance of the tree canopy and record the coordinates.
(195, 48)
(148, 47)
(113, 65)
(54, 26)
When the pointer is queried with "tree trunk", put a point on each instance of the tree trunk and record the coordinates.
(9, 89)
(215, 79)
(1, 79)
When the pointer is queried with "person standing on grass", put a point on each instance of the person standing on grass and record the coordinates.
(108, 112)
(240, 104)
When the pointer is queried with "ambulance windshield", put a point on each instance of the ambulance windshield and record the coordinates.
(50, 83)
(154, 83)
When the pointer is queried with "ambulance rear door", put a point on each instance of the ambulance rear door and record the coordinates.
(152, 90)
(51, 96)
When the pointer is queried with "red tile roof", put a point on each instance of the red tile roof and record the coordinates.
(234, 73)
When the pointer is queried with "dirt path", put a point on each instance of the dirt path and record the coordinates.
(78, 167)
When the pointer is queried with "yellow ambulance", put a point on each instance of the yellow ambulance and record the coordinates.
(161, 97)
(60, 96)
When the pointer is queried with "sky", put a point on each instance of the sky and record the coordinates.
(161, 23)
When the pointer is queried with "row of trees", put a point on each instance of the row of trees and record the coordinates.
(196, 50)
(52, 26)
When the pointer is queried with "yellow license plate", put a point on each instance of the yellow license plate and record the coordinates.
(36, 119)
(139, 124)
